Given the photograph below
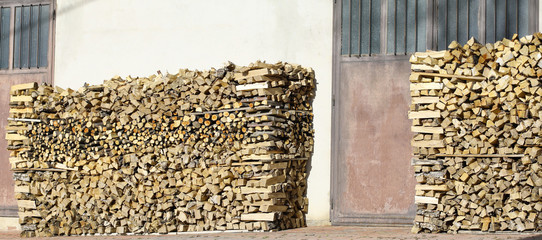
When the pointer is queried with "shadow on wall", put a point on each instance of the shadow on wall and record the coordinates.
(308, 168)
(73, 5)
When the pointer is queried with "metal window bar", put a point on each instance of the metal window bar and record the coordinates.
(20, 36)
(1, 35)
(360, 28)
(494, 22)
(350, 30)
(415, 25)
(468, 17)
(405, 28)
(457, 19)
(1, 31)
(395, 27)
(517, 16)
(38, 25)
(29, 37)
(505, 18)
(445, 24)
(370, 18)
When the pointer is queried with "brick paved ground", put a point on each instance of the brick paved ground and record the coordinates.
(328, 232)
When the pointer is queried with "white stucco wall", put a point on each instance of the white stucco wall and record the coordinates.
(98, 39)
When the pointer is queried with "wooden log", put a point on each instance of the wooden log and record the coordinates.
(482, 155)
(273, 208)
(21, 110)
(428, 143)
(24, 86)
(253, 73)
(423, 67)
(425, 86)
(28, 204)
(432, 187)
(251, 86)
(258, 217)
(21, 99)
(15, 137)
(426, 200)
(423, 114)
(425, 100)
(420, 129)
(463, 77)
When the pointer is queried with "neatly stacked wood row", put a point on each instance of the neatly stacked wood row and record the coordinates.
(223, 149)
(477, 144)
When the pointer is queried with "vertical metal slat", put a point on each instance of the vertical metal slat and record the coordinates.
(494, 22)
(468, 18)
(446, 25)
(434, 41)
(350, 29)
(395, 27)
(457, 20)
(1, 31)
(405, 36)
(29, 35)
(383, 38)
(505, 18)
(38, 25)
(415, 25)
(21, 39)
(360, 27)
(44, 34)
(432, 22)
(370, 18)
(517, 17)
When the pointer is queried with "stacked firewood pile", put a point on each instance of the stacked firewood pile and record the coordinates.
(477, 146)
(223, 149)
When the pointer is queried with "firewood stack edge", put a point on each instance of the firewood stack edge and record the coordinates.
(476, 118)
(224, 149)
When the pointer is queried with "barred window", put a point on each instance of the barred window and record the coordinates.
(31, 38)
(400, 27)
